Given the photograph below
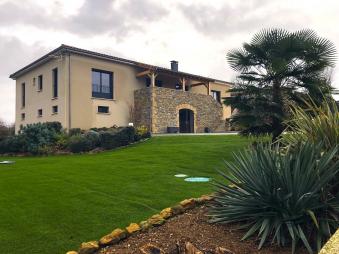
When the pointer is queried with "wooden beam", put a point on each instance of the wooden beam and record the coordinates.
(199, 84)
(143, 73)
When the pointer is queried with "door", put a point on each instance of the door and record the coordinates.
(186, 121)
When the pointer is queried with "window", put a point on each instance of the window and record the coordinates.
(39, 112)
(102, 84)
(23, 95)
(55, 109)
(23, 116)
(40, 80)
(55, 82)
(216, 95)
(103, 109)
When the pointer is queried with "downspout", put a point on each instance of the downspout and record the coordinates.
(69, 91)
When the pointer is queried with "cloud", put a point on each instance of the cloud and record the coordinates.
(14, 54)
(13, 13)
(243, 17)
(93, 17)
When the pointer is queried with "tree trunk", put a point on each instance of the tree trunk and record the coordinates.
(277, 124)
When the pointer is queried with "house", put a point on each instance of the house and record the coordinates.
(85, 89)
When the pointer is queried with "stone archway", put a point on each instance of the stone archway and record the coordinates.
(186, 121)
(186, 118)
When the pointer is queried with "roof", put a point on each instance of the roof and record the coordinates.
(64, 49)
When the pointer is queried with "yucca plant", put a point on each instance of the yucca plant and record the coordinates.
(317, 124)
(282, 197)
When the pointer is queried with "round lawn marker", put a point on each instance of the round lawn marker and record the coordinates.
(7, 162)
(197, 179)
(180, 175)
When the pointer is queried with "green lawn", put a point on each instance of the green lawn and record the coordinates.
(52, 204)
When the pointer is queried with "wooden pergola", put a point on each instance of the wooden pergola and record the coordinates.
(152, 72)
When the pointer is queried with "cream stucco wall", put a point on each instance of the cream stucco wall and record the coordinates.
(43, 99)
(84, 108)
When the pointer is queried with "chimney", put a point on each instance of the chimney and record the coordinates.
(174, 65)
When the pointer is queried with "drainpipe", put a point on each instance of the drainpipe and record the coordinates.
(69, 91)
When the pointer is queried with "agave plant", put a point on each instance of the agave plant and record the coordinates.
(281, 197)
(318, 124)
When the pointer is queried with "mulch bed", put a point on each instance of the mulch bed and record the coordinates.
(193, 227)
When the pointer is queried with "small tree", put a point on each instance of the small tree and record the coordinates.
(278, 67)
(5, 130)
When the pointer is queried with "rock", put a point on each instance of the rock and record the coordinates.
(178, 209)
(220, 250)
(89, 247)
(72, 252)
(151, 249)
(206, 198)
(166, 213)
(144, 225)
(114, 237)
(191, 249)
(156, 220)
(188, 203)
(133, 227)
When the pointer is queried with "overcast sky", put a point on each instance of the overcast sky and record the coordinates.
(197, 33)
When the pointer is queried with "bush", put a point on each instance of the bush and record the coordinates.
(283, 198)
(108, 140)
(61, 142)
(6, 130)
(13, 144)
(142, 132)
(120, 137)
(79, 143)
(74, 131)
(55, 126)
(318, 124)
(126, 136)
(93, 137)
(37, 135)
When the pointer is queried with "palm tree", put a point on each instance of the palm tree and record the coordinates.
(276, 68)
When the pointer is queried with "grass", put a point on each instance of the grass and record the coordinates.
(52, 204)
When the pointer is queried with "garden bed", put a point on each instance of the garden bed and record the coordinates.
(193, 227)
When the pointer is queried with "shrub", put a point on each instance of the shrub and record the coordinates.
(93, 137)
(120, 137)
(318, 124)
(6, 130)
(13, 144)
(61, 141)
(37, 135)
(281, 197)
(74, 131)
(79, 143)
(108, 140)
(142, 132)
(56, 126)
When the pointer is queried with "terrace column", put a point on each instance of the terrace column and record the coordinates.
(183, 83)
(153, 76)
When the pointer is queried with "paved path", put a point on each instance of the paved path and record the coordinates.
(195, 134)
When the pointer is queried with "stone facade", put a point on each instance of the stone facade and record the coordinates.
(158, 108)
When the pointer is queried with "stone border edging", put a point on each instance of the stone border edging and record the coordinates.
(332, 245)
(155, 220)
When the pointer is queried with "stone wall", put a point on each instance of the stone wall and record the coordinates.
(142, 107)
(166, 103)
